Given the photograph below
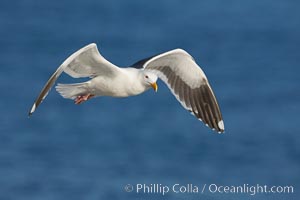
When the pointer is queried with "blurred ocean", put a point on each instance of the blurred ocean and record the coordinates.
(249, 50)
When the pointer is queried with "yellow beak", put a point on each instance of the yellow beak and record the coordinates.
(154, 86)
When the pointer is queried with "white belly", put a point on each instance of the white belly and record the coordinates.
(119, 86)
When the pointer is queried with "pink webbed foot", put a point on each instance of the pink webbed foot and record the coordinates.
(83, 98)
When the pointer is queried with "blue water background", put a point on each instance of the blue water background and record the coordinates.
(249, 50)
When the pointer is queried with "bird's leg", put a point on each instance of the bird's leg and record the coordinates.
(82, 98)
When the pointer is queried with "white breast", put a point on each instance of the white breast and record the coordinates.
(126, 83)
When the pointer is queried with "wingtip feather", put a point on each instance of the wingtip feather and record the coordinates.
(32, 110)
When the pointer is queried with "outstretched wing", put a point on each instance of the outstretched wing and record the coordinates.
(188, 84)
(86, 62)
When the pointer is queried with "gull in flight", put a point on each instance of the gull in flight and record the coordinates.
(176, 68)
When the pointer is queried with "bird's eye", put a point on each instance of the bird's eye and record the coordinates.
(146, 76)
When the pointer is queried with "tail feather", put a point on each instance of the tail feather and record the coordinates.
(71, 91)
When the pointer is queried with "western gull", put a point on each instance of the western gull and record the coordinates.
(176, 68)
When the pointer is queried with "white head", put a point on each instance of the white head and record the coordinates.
(149, 79)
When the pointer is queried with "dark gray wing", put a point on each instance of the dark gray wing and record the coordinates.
(140, 64)
(189, 85)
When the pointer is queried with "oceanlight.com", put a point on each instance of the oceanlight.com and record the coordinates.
(207, 188)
